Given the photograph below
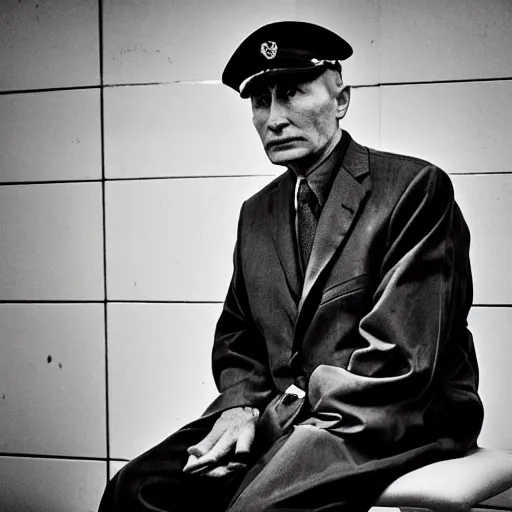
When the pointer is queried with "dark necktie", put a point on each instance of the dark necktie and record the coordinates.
(306, 220)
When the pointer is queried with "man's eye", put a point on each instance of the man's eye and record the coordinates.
(291, 91)
(262, 101)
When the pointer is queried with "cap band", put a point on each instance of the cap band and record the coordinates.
(315, 62)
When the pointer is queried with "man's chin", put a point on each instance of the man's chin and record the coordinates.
(286, 156)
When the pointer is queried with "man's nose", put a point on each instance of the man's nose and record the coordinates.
(277, 119)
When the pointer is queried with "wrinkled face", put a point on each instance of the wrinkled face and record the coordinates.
(296, 120)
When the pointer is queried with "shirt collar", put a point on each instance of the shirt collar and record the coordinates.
(321, 177)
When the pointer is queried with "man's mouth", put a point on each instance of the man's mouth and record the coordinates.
(281, 142)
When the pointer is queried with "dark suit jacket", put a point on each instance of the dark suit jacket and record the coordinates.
(377, 333)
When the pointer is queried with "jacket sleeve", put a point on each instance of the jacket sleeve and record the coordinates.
(239, 356)
(415, 335)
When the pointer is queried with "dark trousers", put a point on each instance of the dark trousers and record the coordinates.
(306, 469)
(155, 480)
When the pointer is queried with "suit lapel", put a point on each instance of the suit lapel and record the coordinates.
(340, 210)
(283, 215)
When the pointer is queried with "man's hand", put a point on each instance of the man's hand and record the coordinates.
(232, 434)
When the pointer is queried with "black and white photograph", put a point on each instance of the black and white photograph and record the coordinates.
(255, 255)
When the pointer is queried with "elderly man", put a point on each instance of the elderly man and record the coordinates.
(342, 354)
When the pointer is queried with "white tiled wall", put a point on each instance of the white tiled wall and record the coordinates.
(491, 329)
(51, 485)
(445, 40)
(51, 242)
(486, 201)
(157, 351)
(52, 379)
(139, 262)
(158, 130)
(173, 239)
(184, 40)
(48, 43)
(50, 136)
(462, 127)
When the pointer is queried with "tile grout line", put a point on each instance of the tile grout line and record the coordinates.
(213, 176)
(110, 301)
(104, 226)
(102, 85)
(140, 178)
(156, 301)
(44, 456)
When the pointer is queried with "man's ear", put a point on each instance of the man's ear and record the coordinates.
(343, 99)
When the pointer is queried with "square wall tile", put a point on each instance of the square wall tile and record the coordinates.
(158, 40)
(357, 21)
(48, 43)
(201, 130)
(51, 242)
(159, 371)
(445, 40)
(49, 485)
(363, 116)
(50, 136)
(173, 239)
(462, 127)
(486, 202)
(181, 130)
(52, 379)
(491, 329)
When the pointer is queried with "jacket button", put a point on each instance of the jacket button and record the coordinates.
(289, 398)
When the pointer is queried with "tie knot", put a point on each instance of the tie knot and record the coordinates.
(305, 193)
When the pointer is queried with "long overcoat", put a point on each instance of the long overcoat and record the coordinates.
(375, 331)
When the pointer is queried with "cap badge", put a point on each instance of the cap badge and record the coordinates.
(269, 49)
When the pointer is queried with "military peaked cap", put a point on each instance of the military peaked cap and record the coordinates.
(283, 47)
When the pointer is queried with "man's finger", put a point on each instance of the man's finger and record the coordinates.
(235, 466)
(223, 446)
(205, 445)
(221, 449)
(218, 472)
(195, 466)
(190, 463)
(245, 439)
